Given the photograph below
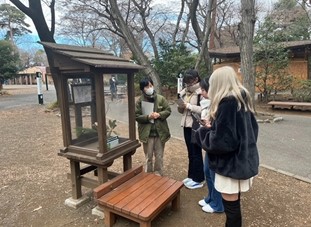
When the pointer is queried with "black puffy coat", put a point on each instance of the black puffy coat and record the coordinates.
(231, 142)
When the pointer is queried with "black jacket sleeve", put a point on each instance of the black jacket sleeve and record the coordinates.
(222, 137)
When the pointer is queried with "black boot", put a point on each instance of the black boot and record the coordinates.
(233, 213)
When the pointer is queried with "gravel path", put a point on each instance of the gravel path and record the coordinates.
(33, 186)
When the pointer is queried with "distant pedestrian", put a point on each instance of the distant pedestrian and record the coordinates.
(151, 111)
(231, 140)
(113, 87)
(189, 106)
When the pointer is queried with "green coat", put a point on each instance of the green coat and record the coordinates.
(144, 126)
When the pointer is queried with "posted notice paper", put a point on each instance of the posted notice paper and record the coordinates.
(147, 108)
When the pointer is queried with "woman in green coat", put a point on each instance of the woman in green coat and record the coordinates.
(151, 111)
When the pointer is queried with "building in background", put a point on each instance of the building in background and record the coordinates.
(28, 76)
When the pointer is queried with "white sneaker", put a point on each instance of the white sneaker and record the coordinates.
(194, 185)
(208, 209)
(202, 203)
(186, 180)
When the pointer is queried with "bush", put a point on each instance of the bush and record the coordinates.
(303, 92)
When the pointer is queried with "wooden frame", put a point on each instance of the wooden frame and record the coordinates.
(92, 64)
(137, 196)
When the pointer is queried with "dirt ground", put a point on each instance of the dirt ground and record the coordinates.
(33, 183)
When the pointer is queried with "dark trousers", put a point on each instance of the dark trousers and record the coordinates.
(195, 167)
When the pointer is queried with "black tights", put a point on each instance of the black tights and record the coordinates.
(233, 213)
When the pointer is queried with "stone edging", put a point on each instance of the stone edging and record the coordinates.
(305, 179)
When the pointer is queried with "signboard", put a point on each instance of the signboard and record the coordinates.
(81, 93)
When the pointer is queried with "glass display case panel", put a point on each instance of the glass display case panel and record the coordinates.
(116, 108)
(82, 111)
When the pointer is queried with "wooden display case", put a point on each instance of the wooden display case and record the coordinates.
(82, 75)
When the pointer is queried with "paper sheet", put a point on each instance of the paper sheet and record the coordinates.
(147, 108)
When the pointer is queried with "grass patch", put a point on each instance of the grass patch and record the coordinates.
(53, 106)
(2, 92)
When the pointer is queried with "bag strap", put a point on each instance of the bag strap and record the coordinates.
(199, 99)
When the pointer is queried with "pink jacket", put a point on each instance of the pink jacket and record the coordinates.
(192, 99)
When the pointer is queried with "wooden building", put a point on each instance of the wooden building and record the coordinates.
(28, 76)
(299, 64)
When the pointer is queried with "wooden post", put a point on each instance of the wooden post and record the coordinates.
(64, 108)
(131, 103)
(78, 116)
(102, 175)
(101, 116)
(127, 161)
(75, 179)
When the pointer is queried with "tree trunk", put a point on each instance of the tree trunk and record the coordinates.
(35, 12)
(134, 47)
(204, 48)
(246, 32)
(178, 21)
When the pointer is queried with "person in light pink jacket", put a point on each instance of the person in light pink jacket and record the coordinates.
(188, 106)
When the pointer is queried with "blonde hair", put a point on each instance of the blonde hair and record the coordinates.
(223, 83)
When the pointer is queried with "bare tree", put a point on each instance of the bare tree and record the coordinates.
(45, 33)
(80, 28)
(202, 35)
(226, 24)
(203, 54)
(182, 8)
(246, 33)
(35, 12)
(133, 21)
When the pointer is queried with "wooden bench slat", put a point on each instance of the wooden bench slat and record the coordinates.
(152, 197)
(290, 105)
(169, 194)
(128, 208)
(115, 182)
(122, 204)
(127, 192)
(129, 186)
(139, 198)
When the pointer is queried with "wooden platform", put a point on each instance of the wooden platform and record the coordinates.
(138, 196)
(290, 105)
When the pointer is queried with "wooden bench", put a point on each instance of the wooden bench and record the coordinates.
(291, 105)
(137, 196)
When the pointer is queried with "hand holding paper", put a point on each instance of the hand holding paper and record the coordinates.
(154, 115)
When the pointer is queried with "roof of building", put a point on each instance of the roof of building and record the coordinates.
(32, 70)
(67, 56)
(234, 51)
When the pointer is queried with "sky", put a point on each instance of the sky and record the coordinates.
(268, 5)
(30, 41)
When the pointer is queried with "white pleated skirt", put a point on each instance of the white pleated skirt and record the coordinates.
(231, 186)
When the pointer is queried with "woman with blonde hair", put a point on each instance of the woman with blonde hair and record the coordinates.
(230, 140)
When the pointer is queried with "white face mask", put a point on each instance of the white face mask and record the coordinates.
(149, 91)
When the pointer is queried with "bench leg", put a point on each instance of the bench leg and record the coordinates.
(145, 224)
(110, 218)
(176, 202)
